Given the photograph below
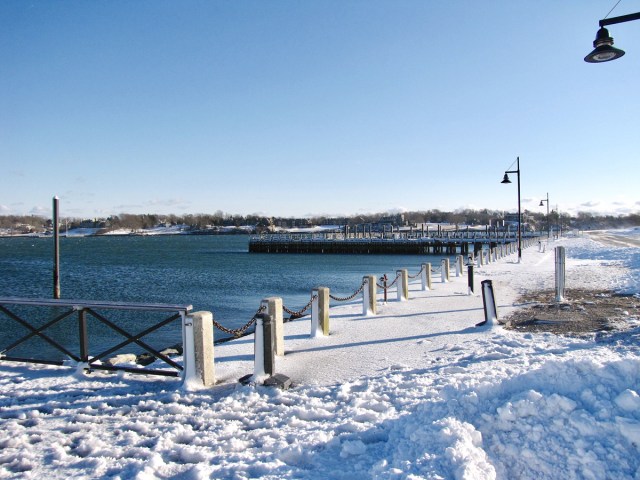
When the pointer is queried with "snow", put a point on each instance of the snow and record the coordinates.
(416, 391)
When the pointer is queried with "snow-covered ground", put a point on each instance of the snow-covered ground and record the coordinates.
(416, 391)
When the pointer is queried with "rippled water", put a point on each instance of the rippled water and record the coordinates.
(214, 273)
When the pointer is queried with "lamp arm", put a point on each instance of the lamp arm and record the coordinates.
(621, 19)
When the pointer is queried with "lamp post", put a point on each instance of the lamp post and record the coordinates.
(506, 180)
(604, 51)
(548, 224)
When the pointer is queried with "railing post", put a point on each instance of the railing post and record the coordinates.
(403, 284)
(444, 270)
(189, 376)
(263, 351)
(315, 314)
(264, 356)
(199, 325)
(560, 273)
(369, 296)
(269, 345)
(83, 334)
(423, 275)
(320, 312)
(488, 299)
(273, 307)
(383, 279)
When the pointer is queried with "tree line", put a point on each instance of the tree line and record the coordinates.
(537, 220)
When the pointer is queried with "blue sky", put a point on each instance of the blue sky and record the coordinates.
(295, 108)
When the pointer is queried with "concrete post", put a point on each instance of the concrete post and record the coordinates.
(315, 314)
(424, 273)
(369, 296)
(488, 299)
(273, 307)
(197, 333)
(459, 266)
(320, 312)
(560, 273)
(403, 285)
(263, 350)
(444, 270)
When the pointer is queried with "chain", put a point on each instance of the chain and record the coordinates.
(394, 281)
(238, 332)
(351, 297)
(299, 313)
(417, 274)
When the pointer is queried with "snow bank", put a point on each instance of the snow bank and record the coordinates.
(415, 392)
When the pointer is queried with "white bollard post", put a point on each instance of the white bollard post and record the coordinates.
(459, 266)
(273, 307)
(315, 314)
(425, 267)
(560, 273)
(488, 299)
(189, 377)
(258, 350)
(323, 310)
(369, 296)
(403, 285)
(199, 369)
(443, 270)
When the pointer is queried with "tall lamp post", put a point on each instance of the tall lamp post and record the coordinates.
(604, 50)
(542, 202)
(506, 180)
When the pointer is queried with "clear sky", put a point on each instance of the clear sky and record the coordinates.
(295, 108)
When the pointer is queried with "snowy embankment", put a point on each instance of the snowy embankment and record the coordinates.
(415, 392)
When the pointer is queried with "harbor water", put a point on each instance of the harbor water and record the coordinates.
(213, 273)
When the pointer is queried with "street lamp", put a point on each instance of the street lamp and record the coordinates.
(604, 51)
(548, 224)
(506, 180)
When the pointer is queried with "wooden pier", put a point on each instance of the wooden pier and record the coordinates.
(449, 243)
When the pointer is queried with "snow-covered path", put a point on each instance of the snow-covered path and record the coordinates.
(415, 392)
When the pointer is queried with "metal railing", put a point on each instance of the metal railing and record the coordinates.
(63, 309)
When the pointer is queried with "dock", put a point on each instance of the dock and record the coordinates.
(449, 243)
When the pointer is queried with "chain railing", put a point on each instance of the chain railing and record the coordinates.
(299, 313)
(411, 277)
(239, 332)
(350, 297)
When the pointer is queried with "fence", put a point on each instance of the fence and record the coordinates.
(197, 328)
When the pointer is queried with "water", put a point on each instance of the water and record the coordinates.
(214, 273)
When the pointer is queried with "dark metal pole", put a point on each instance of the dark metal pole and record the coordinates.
(548, 219)
(519, 217)
(56, 250)
(84, 337)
